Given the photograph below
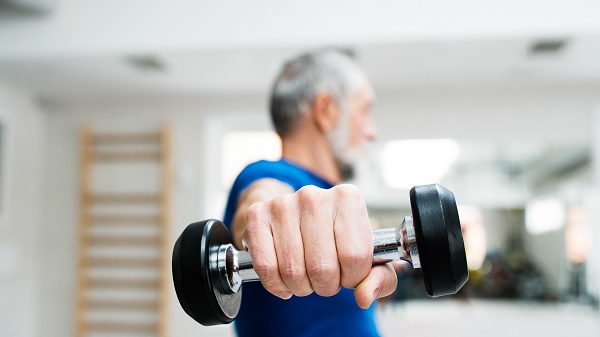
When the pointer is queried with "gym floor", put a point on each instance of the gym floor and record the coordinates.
(478, 318)
(475, 318)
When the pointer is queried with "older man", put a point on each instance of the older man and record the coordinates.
(309, 235)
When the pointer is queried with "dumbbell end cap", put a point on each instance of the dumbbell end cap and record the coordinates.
(439, 239)
(194, 281)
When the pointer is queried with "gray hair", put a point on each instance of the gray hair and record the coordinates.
(307, 75)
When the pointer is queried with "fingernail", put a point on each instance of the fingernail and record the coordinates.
(376, 293)
(284, 295)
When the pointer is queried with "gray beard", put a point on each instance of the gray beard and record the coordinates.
(338, 139)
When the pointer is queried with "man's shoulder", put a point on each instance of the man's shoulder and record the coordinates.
(267, 167)
(284, 170)
(262, 165)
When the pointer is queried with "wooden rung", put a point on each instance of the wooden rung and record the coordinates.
(104, 304)
(122, 198)
(124, 241)
(125, 219)
(146, 283)
(126, 138)
(122, 262)
(107, 326)
(100, 274)
(139, 156)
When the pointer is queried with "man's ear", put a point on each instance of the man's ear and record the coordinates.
(325, 111)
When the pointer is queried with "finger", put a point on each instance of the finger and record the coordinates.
(285, 225)
(320, 253)
(381, 282)
(259, 241)
(399, 267)
(353, 235)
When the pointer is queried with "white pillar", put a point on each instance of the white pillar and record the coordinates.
(593, 274)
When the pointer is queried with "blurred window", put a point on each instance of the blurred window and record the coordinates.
(242, 148)
(406, 163)
(544, 215)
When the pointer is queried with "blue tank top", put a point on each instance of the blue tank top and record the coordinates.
(262, 314)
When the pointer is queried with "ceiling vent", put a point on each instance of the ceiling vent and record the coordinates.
(147, 63)
(547, 47)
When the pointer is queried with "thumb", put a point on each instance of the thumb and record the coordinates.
(380, 282)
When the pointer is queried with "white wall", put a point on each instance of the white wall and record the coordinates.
(553, 113)
(21, 222)
(593, 267)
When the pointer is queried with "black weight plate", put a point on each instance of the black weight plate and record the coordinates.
(195, 284)
(439, 239)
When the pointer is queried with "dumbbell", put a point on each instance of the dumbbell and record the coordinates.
(208, 271)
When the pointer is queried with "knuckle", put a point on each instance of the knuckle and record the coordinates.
(266, 271)
(323, 272)
(308, 191)
(351, 258)
(292, 273)
(253, 213)
(348, 191)
(355, 259)
(325, 279)
(263, 267)
(280, 205)
(309, 197)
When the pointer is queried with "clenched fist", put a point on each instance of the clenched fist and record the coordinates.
(316, 240)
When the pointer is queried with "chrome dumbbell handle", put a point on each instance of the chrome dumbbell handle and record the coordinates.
(392, 244)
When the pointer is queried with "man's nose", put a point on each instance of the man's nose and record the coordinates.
(370, 131)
